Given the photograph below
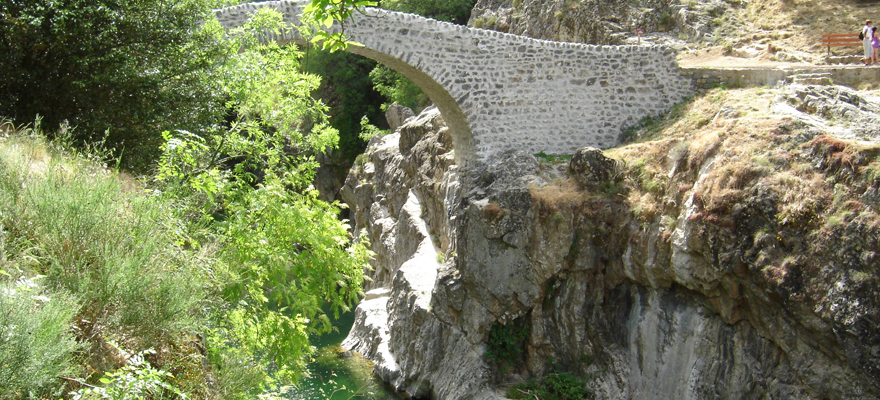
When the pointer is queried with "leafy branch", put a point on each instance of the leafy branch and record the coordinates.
(319, 16)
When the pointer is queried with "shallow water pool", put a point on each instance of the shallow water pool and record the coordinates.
(339, 375)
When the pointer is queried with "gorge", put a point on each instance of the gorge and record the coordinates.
(689, 266)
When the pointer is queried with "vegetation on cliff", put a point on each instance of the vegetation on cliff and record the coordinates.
(203, 279)
(211, 279)
(763, 205)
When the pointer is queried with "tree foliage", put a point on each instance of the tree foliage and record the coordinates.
(396, 88)
(321, 15)
(286, 256)
(129, 68)
(349, 90)
(455, 11)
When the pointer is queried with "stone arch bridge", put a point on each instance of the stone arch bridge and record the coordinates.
(499, 91)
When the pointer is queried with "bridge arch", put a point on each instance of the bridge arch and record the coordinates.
(498, 91)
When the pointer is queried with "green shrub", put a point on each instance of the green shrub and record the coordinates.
(555, 386)
(553, 158)
(70, 220)
(136, 380)
(506, 346)
(114, 249)
(455, 11)
(36, 343)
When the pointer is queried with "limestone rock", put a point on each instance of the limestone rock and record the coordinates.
(820, 105)
(396, 115)
(682, 307)
(591, 168)
(601, 21)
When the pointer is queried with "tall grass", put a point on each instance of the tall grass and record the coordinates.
(70, 219)
(36, 345)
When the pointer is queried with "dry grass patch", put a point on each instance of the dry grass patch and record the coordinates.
(793, 25)
(561, 195)
(731, 126)
(802, 197)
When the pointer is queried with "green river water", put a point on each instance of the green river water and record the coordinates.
(335, 376)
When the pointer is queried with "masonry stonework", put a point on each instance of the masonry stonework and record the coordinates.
(499, 91)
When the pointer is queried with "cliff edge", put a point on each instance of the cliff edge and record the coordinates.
(729, 250)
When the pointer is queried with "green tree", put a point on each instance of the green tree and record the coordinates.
(285, 254)
(455, 11)
(126, 67)
(349, 90)
(323, 14)
(396, 88)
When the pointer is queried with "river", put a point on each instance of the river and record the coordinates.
(335, 375)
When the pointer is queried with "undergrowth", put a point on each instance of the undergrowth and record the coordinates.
(211, 279)
(36, 344)
(506, 346)
(554, 386)
(107, 262)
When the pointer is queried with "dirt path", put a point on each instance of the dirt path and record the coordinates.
(714, 57)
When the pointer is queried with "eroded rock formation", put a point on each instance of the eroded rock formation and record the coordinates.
(597, 21)
(736, 260)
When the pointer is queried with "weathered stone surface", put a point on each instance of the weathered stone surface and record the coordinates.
(372, 337)
(499, 92)
(815, 105)
(600, 21)
(425, 356)
(590, 167)
(396, 115)
(655, 311)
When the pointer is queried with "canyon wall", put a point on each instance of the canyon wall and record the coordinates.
(693, 301)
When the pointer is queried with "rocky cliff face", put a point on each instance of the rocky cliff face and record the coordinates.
(602, 21)
(731, 252)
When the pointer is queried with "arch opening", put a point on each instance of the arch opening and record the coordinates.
(453, 114)
(499, 92)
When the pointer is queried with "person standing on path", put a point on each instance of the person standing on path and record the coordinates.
(867, 32)
(875, 43)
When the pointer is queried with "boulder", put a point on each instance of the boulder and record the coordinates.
(590, 168)
(397, 115)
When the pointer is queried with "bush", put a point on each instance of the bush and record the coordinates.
(36, 343)
(70, 220)
(455, 11)
(136, 380)
(114, 249)
(555, 386)
(506, 346)
(128, 67)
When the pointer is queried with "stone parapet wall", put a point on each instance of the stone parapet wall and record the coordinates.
(499, 92)
(708, 78)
